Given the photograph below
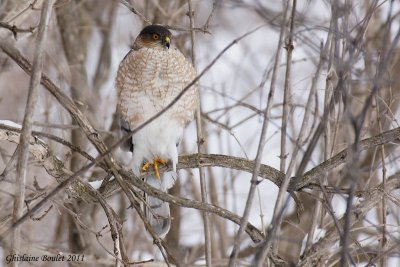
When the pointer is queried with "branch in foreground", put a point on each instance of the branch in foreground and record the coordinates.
(386, 138)
(56, 169)
(131, 8)
(26, 130)
(15, 30)
(86, 126)
(308, 180)
(322, 250)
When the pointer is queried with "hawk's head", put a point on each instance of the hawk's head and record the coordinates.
(153, 36)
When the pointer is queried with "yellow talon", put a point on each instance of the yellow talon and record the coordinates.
(155, 164)
(146, 166)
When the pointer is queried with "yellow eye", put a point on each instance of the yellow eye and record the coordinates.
(156, 36)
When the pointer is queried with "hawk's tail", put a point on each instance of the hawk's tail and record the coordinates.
(157, 211)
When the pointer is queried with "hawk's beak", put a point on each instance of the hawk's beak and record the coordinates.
(167, 41)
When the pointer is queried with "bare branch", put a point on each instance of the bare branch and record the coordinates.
(56, 168)
(15, 30)
(27, 123)
(135, 11)
(308, 180)
(200, 147)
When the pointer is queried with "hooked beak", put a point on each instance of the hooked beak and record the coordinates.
(167, 42)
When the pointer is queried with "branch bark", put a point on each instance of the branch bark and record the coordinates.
(27, 124)
(201, 148)
(325, 248)
(370, 198)
(56, 168)
(308, 180)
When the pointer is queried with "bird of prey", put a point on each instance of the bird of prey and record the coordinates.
(150, 76)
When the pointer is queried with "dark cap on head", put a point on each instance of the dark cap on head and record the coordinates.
(153, 36)
(161, 30)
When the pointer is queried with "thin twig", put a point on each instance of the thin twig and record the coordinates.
(15, 30)
(113, 222)
(160, 243)
(200, 147)
(135, 11)
(383, 242)
(51, 137)
(321, 250)
(203, 29)
(286, 106)
(12, 162)
(257, 166)
(30, 6)
(214, 7)
(345, 67)
(27, 123)
(327, 142)
(357, 123)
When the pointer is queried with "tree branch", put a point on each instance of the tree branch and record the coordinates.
(27, 123)
(15, 30)
(308, 180)
(322, 250)
(56, 168)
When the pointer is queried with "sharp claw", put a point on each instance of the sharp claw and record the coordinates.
(155, 163)
(162, 161)
(146, 166)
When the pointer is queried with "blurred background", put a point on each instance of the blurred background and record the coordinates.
(342, 51)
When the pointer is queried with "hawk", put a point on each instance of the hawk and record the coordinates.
(149, 77)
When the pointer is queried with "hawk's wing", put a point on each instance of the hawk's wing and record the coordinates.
(124, 130)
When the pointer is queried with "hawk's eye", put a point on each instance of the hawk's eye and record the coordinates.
(156, 36)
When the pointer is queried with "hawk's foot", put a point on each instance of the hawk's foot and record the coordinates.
(155, 164)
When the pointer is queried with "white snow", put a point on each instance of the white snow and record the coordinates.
(96, 184)
(10, 124)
